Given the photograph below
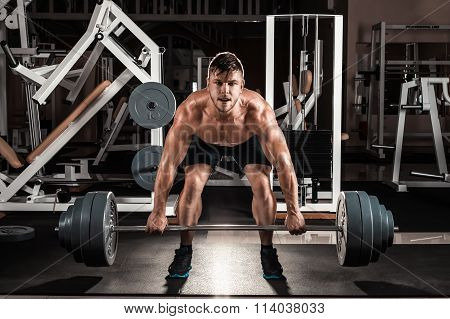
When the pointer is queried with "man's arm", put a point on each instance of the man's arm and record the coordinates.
(274, 146)
(175, 148)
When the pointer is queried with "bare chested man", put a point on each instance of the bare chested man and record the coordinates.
(225, 120)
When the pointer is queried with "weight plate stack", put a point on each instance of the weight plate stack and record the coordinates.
(348, 241)
(75, 230)
(384, 229)
(391, 228)
(367, 229)
(104, 242)
(376, 229)
(85, 224)
(64, 225)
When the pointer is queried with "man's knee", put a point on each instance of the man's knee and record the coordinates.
(261, 189)
(193, 188)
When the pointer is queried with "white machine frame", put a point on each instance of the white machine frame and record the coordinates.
(427, 87)
(293, 119)
(378, 56)
(107, 19)
(327, 200)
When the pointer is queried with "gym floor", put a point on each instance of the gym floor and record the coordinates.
(228, 263)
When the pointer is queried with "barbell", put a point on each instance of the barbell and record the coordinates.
(89, 229)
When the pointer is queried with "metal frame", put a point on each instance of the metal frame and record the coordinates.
(17, 20)
(124, 204)
(3, 91)
(200, 69)
(107, 18)
(378, 56)
(328, 200)
(428, 105)
(111, 137)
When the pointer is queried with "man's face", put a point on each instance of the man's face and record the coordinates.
(225, 89)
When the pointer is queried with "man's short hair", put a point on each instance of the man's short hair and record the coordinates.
(225, 62)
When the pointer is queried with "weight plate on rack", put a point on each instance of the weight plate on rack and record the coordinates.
(144, 166)
(152, 105)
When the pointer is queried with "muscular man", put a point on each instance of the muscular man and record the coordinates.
(225, 120)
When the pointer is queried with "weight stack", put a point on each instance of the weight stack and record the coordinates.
(311, 152)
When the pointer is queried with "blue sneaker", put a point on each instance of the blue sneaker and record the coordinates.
(181, 264)
(272, 269)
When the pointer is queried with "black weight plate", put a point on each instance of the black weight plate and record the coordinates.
(103, 244)
(85, 223)
(68, 228)
(75, 230)
(391, 228)
(62, 229)
(384, 229)
(348, 216)
(367, 229)
(13, 233)
(143, 166)
(377, 228)
(152, 105)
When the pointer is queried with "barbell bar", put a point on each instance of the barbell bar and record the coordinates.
(225, 227)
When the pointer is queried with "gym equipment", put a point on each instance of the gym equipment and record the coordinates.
(426, 87)
(152, 105)
(89, 229)
(310, 59)
(145, 64)
(145, 165)
(383, 64)
(444, 177)
(10, 234)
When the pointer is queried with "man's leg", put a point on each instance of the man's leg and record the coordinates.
(264, 202)
(189, 209)
(189, 206)
(264, 211)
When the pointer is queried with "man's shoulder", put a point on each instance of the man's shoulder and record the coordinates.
(191, 109)
(259, 112)
(199, 97)
(253, 97)
(196, 101)
(255, 103)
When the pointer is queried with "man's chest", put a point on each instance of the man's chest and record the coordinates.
(226, 133)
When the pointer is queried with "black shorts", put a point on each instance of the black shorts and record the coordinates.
(249, 152)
